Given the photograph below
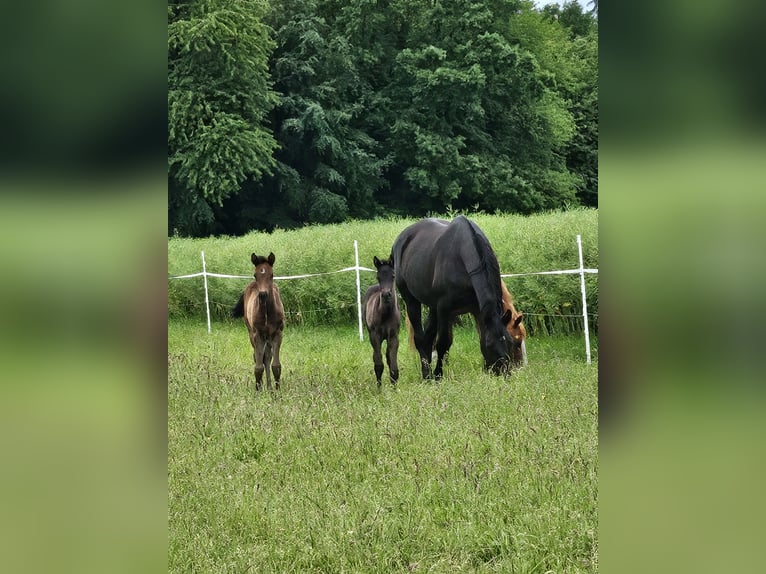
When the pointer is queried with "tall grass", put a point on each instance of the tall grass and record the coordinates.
(473, 474)
(523, 244)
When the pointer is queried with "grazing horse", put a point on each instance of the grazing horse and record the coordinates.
(516, 329)
(261, 306)
(451, 268)
(382, 319)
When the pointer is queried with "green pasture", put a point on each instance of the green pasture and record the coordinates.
(472, 474)
(543, 242)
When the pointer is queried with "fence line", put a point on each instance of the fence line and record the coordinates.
(357, 268)
(584, 303)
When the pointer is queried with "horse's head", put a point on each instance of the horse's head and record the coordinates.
(496, 345)
(264, 275)
(385, 278)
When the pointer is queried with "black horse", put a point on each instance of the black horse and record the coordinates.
(382, 318)
(451, 268)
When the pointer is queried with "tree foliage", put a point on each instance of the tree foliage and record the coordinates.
(219, 92)
(393, 106)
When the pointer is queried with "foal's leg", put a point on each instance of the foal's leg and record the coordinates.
(392, 348)
(276, 366)
(258, 348)
(267, 364)
(377, 356)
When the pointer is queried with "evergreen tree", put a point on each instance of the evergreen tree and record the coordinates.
(219, 92)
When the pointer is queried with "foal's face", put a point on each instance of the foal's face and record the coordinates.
(385, 279)
(264, 275)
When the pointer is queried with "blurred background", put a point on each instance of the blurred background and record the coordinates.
(82, 295)
(83, 217)
(681, 173)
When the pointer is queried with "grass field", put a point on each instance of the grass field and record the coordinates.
(472, 474)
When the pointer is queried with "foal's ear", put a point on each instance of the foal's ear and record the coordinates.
(507, 317)
(518, 319)
(254, 258)
(271, 259)
(376, 261)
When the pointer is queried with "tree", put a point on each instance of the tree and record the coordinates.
(571, 62)
(219, 93)
(326, 166)
(477, 124)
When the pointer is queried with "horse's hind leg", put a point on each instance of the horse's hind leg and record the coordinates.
(392, 348)
(276, 365)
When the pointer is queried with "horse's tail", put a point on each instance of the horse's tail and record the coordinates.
(239, 309)
(411, 332)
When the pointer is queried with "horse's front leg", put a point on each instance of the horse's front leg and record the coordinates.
(426, 345)
(377, 355)
(413, 314)
(258, 349)
(443, 341)
(392, 348)
(276, 365)
(267, 363)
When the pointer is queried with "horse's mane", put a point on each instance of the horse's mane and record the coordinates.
(487, 262)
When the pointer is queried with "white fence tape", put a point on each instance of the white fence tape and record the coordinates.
(223, 275)
(562, 272)
(357, 268)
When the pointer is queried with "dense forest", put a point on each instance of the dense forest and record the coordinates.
(283, 113)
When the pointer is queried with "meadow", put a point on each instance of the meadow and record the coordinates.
(474, 473)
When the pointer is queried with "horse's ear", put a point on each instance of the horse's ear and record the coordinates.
(518, 319)
(271, 259)
(507, 317)
(376, 261)
(254, 258)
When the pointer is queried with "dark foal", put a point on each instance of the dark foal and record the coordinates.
(261, 306)
(382, 318)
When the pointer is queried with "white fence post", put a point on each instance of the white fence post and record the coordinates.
(584, 303)
(358, 290)
(207, 303)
